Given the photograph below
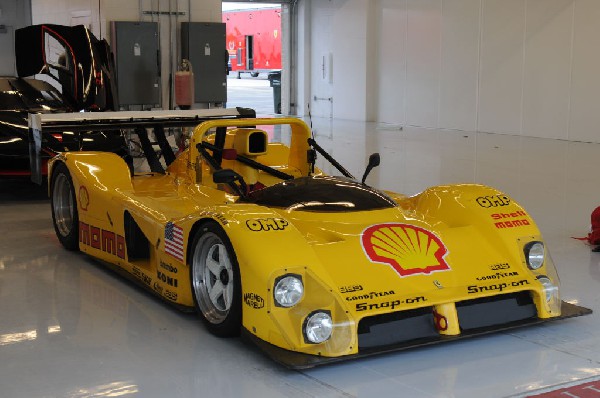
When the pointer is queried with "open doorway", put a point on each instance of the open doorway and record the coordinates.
(254, 45)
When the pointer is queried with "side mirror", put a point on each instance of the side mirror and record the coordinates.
(374, 161)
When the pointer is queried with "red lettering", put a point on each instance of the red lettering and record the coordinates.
(102, 239)
(120, 247)
(108, 241)
(95, 232)
(84, 233)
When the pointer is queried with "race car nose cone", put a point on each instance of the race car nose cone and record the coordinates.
(224, 276)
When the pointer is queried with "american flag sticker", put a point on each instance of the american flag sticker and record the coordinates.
(174, 240)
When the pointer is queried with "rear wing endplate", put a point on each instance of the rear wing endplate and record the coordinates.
(42, 124)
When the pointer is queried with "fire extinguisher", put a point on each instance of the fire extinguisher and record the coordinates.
(184, 85)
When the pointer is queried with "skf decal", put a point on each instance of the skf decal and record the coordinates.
(408, 249)
(389, 304)
(101, 239)
(511, 222)
(499, 287)
(174, 240)
(170, 295)
(267, 224)
(493, 201)
(496, 267)
(84, 198)
(253, 300)
(351, 289)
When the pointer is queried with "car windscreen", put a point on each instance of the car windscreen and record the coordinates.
(321, 194)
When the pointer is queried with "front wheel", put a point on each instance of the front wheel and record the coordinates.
(215, 277)
(64, 207)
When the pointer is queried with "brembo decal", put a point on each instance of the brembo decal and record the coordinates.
(408, 249)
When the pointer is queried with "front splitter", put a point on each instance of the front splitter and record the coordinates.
(296, 360)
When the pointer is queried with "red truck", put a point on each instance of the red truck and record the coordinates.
(253, 40)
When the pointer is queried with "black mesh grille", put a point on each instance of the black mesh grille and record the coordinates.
(394, 328)
(417, 326)
(496, 310)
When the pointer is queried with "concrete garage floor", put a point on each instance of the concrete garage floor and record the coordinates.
(71, 328)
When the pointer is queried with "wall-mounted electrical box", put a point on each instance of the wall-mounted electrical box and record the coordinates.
(137, 58)
(203, 43)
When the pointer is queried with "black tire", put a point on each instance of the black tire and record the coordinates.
(216, 285)
(254, 74)
(64, 207)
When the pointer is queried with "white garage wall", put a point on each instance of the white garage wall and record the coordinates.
(525, 67)
(584, 117)
(501, 65)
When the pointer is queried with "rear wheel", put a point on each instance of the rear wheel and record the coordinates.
(64, 207)
(215, 277)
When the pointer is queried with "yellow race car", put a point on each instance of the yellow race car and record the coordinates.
(313, 268)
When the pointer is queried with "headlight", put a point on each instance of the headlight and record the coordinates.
(288, 290)
(549, 288)
(534, 254)
(318, 327)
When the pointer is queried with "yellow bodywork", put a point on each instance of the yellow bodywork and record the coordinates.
(454, 243)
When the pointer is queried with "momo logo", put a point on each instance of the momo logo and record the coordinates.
(408, 249)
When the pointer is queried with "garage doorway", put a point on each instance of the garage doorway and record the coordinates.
(257, 41)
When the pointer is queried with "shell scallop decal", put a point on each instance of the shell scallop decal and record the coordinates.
(408, 249)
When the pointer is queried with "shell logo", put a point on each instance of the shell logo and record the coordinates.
(408, 249)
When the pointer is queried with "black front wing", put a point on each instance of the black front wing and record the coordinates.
(296, 360)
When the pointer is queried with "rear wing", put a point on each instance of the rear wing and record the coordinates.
(141, 121)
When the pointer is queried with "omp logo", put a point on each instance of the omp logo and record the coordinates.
(408, 249)
(493, 201)
(267, 224)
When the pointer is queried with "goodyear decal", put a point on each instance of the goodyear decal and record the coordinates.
(408, 249)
